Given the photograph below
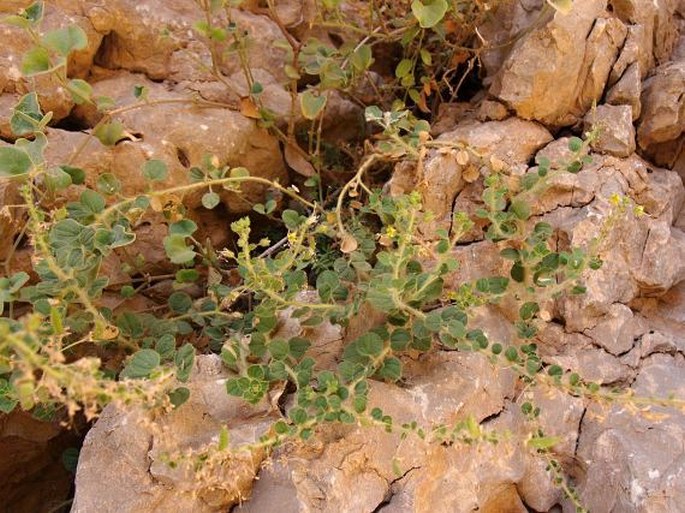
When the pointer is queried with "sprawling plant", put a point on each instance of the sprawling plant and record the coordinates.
(341, 249)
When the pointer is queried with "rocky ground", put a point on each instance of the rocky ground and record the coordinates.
(628, 56)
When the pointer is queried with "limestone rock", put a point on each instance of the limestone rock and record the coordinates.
(615, 331)
(663, 106)
(602, 47)
(636, 51)
(627, 91)
(551, 74)
(616, 131)
(182, 135)
(490, 110)
(635, 459)
(363, 469)
(123, 465)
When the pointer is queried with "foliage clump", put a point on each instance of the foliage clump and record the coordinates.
(352, 245)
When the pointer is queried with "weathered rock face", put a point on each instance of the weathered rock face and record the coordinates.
(661, 126)
(616, 131)
(124, 463)
(509, 143)
(636, 463)
(626, 331)
(555, 68)
(551, 74)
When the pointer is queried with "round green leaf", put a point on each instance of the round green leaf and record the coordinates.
(429, 12)
(64, 40)
(155, 170)
(180, 302)
(210, 200)
(13, 162)
(177, 250)
(108, 184)
(141, 364)
(36, 60)
(80, 90)
(311, 104)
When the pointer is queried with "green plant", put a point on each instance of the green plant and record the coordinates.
(356, 249)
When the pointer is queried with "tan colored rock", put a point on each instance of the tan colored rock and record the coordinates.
(124, 466)
(548, 75)
(508, 22)
(660, 22)
(364, 468)
(134, 42)
(616, 131)
(182, 135)
(615, 331)
(663, 106)
(576, 352)
(601, 49)
(491, 110)
(627, 91)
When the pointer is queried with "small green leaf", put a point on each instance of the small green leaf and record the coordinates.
(180, 302)
(35, 61)
(184, 227)
(78, 175)
(140, 92)
(177, 250)
(555, 370)
(291, 219)
(26, 115)
(239, 172)
(184, 359)
(187, 275)
(311, 104)
(426, 57)
(575, 144)
(544, 442)
(70, 459)
(178, 396)
(521, 209)
(155, 170)
(14, 162)
(210, 200)
(403, 68)
(34, 12)
(528, 310)
(256, 88)
(56, 179)
(108, 184)
(110, 133)
(64, 40)
(80, 90)
(391, 369)
(92, 201)
(362, 58)
(141, 364)
(429, 12)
